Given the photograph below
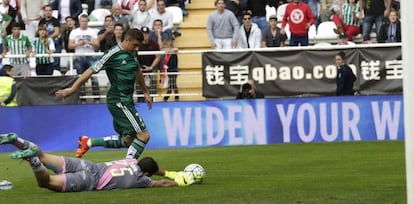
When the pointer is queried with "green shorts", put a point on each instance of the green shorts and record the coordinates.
(126, 120)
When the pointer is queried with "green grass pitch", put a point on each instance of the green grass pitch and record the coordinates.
(349, 172)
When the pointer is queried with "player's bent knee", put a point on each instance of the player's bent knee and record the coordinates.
(144, 136)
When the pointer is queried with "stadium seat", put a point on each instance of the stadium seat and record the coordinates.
(270, 11)
(326, 32)
(312, 32)
(56, 73)
(177, 14)
(322, 44)
(55, 13)
(281, 12)
(99, 14)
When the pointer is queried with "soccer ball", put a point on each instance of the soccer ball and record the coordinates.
(196, 171)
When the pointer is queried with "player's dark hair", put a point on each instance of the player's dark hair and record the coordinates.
(148, 165)
(342, 55)
(134, 33)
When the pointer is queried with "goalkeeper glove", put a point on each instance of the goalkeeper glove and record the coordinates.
(183, 179)
(170, 174)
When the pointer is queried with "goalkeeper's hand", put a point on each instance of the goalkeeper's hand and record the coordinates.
(171, 174)
(183, 179)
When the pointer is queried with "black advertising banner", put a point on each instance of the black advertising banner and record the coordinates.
(33, 91)
(301, 72)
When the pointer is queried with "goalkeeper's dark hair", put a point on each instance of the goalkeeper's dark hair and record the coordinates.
(148, 165)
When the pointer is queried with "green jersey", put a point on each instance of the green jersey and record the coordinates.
(121, 68)
(3, 18)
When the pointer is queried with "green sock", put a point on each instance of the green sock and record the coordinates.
(136, 148)
(113, 141)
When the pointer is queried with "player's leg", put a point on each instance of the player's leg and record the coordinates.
(134, 131)
(113, 141)
(32, 155)
(15, 140)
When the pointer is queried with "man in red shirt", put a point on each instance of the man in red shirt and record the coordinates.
(300, 18)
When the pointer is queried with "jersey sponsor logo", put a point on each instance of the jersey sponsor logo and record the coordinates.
(297, 16)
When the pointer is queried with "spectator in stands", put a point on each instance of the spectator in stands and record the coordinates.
(67, 8)
(140, 17)
(249, 35)
(315, 7)
(32, 11)
(164, 15)
(329, 8)
(8, 10)
(106, 34)
(43, 44)
(148, 62)
(222, 27)
(169, 68)
(70, 25)
(4, 23)
(91, 5)
(249, 91)
(343, 40)
(390, 31)
(348, 21)
(18, 44)
(151, 6)
(52, 25)
(157, 35)
(345, 78)
(181, 4)
(84, 40)
(374, 11)
(118, 17)
(106, 4)
(300, 18)
(236, 7)
(273, 36)
(8, 90)
(126, 6)
(116, 38)
(258, 10)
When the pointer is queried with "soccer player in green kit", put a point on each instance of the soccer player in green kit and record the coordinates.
(122, 67)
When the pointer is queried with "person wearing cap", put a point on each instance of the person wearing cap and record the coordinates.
(8, 88)
(273, 37)
(148, 62)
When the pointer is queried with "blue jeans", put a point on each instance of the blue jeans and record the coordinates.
(367, 25)
(261, 22)
(81, 64)
(295, 40)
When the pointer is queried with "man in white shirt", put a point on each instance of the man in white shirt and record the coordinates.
(32, 11)
(140, 17)
(164, 15)
(84, 40)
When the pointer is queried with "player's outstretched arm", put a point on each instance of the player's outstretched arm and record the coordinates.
(181, 179)
(81, 80)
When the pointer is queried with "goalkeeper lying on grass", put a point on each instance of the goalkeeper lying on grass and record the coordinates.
(75, 175)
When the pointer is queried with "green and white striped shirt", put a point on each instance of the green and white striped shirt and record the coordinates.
(40, 47)
(348, 12)
(3, 18)
(17, 46)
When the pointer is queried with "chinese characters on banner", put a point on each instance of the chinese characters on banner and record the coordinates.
(301, 72)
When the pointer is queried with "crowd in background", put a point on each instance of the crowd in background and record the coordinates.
(244, 23)
(54, 26)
